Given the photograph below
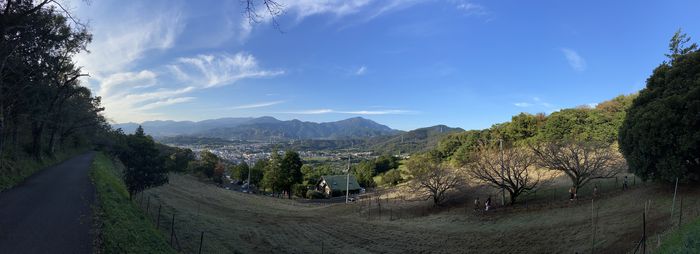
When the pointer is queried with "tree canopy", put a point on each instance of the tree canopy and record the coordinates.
(660, 136)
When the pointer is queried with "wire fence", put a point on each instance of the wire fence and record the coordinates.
(181, 231)
(175, 226)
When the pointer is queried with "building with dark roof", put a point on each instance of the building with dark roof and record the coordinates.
(335, 185)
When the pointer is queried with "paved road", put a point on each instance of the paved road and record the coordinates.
(50, 212)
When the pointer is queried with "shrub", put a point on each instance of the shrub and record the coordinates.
(299, 190)
(314, 194)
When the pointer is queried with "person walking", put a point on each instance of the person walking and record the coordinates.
(477, 204)
(595, 191)
(487, 205)
(571, 193)
(624, 183)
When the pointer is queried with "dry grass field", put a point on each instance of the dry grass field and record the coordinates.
(237, 222)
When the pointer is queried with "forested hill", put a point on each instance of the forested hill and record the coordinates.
(412, 141)
(599, 124)
(265, 128)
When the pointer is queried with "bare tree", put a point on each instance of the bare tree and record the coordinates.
(274, 9)
(512, 170)
(581, 161)
(432, 179)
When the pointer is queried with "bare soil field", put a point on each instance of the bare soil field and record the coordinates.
(235, 222)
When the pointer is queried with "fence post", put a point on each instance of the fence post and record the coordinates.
(680, 213)
(322, 242)
(644, 234)
(158, 218)
(148, 204)
(674, 201)
(201, 240)
(172, 230)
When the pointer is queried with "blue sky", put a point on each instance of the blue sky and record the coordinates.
(403, 63)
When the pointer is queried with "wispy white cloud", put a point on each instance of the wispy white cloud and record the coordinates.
(310, 112)
(165, 102)
(122, 43)
(470, 8)
(257, 105)
(361, 71)
(351, 112)
(534, 102)
(575, 60)
(211, 71)
(362, 10)
(378, 112)
(125, 81)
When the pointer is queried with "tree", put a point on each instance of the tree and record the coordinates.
(291, 166)
(512, 170)
(392, 177)
(144, 168)
(218, 174)
(364, 173)
(274, 177)
(257, 171)
(239, 171)
(581, 161)
(431, 179)
(385, 163)
(180, 159)
(209, 161)
(660, 136)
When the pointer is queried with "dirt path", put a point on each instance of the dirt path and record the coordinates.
(50, 212)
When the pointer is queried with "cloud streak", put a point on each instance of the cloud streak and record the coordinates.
(574, 59)
(257, 105)
(219, 70)
(355, 112)
(361, 71)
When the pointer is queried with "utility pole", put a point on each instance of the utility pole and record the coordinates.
(503, 191)
(249, 178)
(347, 183)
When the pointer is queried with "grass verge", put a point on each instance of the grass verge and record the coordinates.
(123, 227)
(14, 172)
(686, 240)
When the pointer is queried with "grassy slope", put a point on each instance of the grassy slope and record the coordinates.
(124, 227)
(687, 240)
(255, 224)
(14, 172)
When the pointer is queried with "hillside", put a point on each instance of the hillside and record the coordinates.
(295, 129)
(412, 141)
(234, 221)
(263, 128)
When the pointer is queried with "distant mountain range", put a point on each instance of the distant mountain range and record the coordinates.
(263, 128)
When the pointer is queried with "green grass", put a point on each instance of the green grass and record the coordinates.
(13, 172)
(686, 240)
(124, 228)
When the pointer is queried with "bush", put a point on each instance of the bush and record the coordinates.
(299, 190)
(314, 194)
(392, 177)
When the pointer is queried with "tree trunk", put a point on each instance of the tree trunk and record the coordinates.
(37, 132)
(52, 142)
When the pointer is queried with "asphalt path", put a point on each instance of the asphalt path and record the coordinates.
(51, 211)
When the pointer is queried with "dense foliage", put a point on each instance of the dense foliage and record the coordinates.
(144, 167)
(43, 107)
(660, 136)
